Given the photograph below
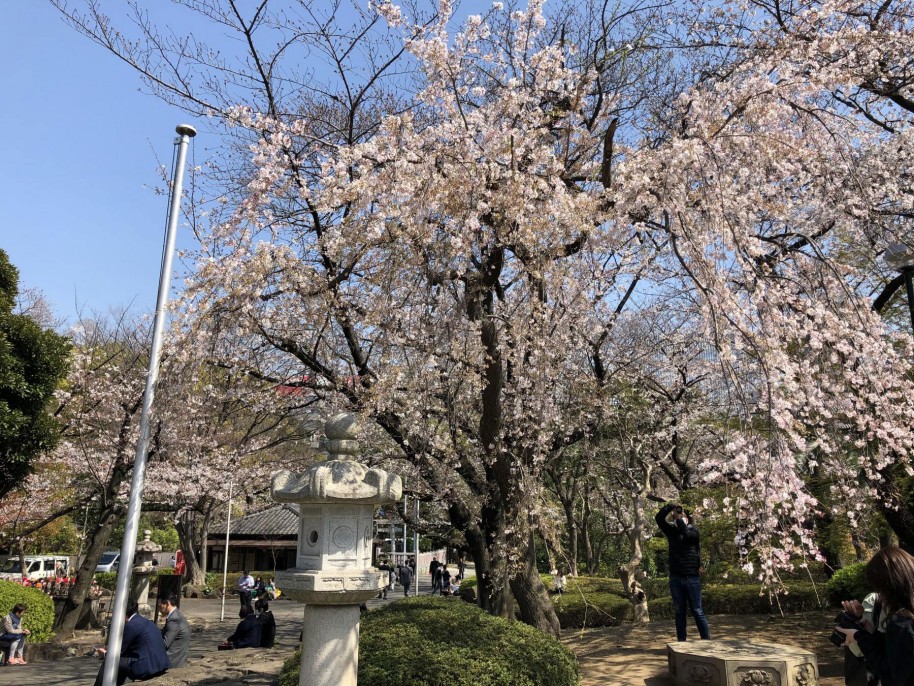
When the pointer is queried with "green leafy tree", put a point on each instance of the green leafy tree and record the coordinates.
(33, 361)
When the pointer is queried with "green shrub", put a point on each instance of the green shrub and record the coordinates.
(39, 618)
(848, 583)
(745, 599)
(577, 609)
(438, 641)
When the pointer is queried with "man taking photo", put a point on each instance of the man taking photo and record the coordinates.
(685, 561)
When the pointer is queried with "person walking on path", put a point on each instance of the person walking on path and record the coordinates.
(245, 587)
(12, 630)
(406, 579)
(685, 568)
(433, 568)
(176, 631)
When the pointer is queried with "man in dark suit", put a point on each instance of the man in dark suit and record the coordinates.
(247, 633)
(142, 650)
(176, 631)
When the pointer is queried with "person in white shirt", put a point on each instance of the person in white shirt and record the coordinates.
(245, 587)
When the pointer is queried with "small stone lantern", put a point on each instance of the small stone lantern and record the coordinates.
(333, 573)
(143, 569)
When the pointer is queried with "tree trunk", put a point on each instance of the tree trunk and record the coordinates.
(572, 524)
(532, 600)
(186, 528)
(73, 605)
(896, 509)
(631, 573)
(204, 536)
(586, 541)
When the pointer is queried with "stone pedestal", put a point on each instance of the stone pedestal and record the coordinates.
(333, 572)
(331, 651)
(143, 570)
(738, 663)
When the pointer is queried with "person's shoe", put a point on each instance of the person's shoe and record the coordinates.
(15, 661)
(22, 661)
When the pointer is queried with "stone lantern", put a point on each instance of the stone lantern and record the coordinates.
(333, 573)
(143, 569)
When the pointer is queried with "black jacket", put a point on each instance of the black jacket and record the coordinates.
(685, 549)
(891, 659)
(267, 629)
(247, 634)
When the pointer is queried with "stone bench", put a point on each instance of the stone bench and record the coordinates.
(738, 663)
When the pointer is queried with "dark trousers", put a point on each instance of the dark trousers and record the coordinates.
(121, 675)
(245, 597)
(687, 590)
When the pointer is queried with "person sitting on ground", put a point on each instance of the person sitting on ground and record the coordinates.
(12, 630)
(267, 624)
(272, 592)
(142, 650)
(260, 588)
(454, 589)
(176, 631)
(247, 633)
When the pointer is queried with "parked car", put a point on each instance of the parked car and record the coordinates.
(36, 567)
(109, 561)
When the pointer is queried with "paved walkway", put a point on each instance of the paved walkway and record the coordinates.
(209, 631)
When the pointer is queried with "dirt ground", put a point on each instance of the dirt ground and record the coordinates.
(635, 655)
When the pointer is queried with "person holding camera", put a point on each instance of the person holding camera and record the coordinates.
(890, 659)
(685, 568)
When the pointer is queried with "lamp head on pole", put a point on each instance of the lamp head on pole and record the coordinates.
(186, 130)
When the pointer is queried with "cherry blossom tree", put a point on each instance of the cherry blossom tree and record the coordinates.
(454, 263)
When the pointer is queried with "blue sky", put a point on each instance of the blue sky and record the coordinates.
(81, 146)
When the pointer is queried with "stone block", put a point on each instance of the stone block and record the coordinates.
(737, 663)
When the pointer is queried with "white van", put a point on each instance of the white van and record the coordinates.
(108, 562)
(36, 567)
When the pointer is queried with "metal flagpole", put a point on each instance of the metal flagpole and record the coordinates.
(228, 527)
(416, 542)
(128, 548)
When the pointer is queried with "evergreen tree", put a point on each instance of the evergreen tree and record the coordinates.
(33, 361)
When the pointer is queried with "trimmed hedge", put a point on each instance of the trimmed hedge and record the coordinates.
(596, 601)
(38, 618)
(444, 642)
(599, 601)
(746, 599)
(848, 583)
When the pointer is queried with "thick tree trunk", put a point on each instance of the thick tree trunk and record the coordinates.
(532, 600)
(186, 527)
(73, 605)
